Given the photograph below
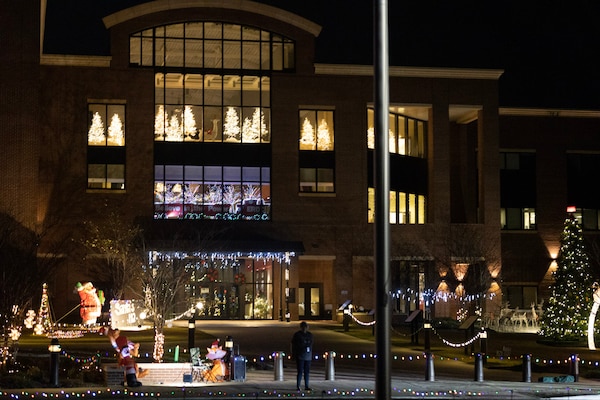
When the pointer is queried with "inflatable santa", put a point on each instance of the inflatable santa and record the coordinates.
(127, 351)
(90, 302)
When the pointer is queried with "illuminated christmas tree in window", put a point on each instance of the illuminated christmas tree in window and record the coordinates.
(566, 315)
(96, 131)
(160, 123)
(307, 136)
(174, 131)
(253, 128)
(116, 137)
(324, 136)
(189, 123)
(231, 127)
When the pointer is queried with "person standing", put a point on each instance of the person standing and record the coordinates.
(302, 344)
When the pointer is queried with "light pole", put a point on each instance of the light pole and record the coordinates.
(54, 350)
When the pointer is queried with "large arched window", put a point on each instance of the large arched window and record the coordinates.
(212, 119)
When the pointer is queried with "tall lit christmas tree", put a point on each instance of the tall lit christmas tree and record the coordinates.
(566, 315)
(44, 320)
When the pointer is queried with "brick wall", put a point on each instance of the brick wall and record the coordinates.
(159, 374)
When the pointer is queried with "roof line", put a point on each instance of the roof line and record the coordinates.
(242, 5)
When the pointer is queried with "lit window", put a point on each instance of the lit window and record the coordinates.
(106, 146)
(106, 125)
(316, 146)
(405, 208)
(517, 218)
(407, 136)
(212, 192)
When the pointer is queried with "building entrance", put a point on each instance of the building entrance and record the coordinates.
(310, 305)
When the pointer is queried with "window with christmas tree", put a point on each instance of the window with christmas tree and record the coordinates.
(106, 142)
(316, 146)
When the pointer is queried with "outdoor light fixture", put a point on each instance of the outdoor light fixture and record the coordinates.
(229, 342)
(54, 346)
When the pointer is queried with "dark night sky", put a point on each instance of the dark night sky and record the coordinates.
(548, 49)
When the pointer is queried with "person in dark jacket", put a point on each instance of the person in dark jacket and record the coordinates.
(302, 344)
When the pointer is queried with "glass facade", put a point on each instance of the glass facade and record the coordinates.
(212, 96)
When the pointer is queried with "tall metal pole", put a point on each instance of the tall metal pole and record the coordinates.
(382, 200)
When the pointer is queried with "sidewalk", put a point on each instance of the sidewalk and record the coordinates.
(262, 385)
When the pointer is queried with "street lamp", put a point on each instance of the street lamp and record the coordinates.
(54, 350)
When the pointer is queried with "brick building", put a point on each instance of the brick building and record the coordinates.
(211, 122)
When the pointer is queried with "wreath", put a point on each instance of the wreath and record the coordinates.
(239, 279)
(212, 274)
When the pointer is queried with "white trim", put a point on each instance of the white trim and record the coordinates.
(67, 60)
(241, 5)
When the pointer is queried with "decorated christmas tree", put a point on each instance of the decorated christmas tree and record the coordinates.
(159, 123)
(323, 136)
(307, 136)
(44, 320)
(231, 128)
(189, 123)
(174, 131)
(96, 131)
(566, 315)
(116, 137)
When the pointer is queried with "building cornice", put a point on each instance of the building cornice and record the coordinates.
(67, 60)
(410, 72)
(240, 5)
(547, 112)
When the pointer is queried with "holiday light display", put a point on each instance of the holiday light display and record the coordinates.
(566, 316)
(44, 321)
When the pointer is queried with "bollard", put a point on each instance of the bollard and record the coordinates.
(575, 366)
(54, 350)
(330, 367)
(429, 371)
(278, 367)
(526, 367)
(478, 368)
(191, 333)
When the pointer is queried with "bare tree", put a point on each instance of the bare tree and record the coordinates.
(114, 253)
(24, 271)
(163, 278)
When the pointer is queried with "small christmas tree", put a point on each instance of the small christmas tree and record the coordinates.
(174, 131)
(566, 316)
(231, 128)
(160, 123)
(323, 136)
(116, 137)
(189, 123)
(307, 136)
(96, 131)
